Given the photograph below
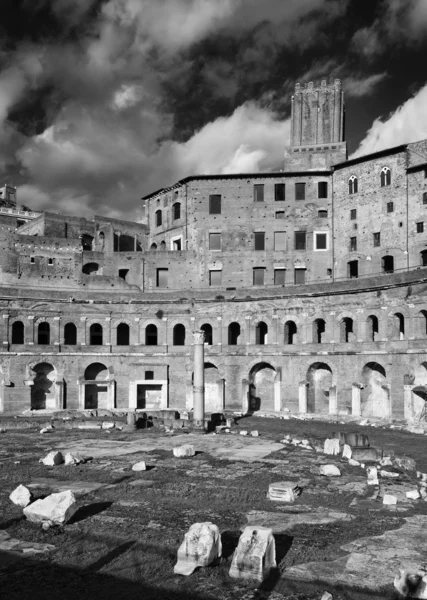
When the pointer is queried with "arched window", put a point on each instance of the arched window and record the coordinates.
(163, 245)
(18, 332)
(399, 326)
(95, 335)
(158, 218)
(176, 211)
(208, 333)
(319, 327)
(352, 185)
(153, 246)
(151, 335)
(90, 268)
(261, 333)
(346, 329)
(70, 334)
(179, 335)
(43, 333)
(387, 263)
(290, 332)
(422, 319)
(372, 328)
(233, 334)
(87, 242)
(385, 176)
(123, 334)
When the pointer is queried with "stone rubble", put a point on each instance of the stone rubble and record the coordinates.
(55, 509)
(326, 596)
(254, 433)
(21, 496)
(71, 460)
(200, 548)
(411, 584)
(413, 494)
(372, 474)
(255, 554)
(52, 459)
(332, 446)
(346, 452)
(389, 474)
(243, 432)
(185, 450)
(329, 470)
(283, 491)
(389, 499)
(353, 463)
(139, 466)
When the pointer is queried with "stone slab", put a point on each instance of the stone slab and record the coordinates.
(282, 523)
(79, 488)
(15, 549)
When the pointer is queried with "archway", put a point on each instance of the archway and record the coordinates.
(96, 394)
(290, 332)
(207, 329)
(214, 389)
(123, 334)
(261, 387)
(151, 335)
(319, 328)
(179, 335)
(261, 334)
(18, 332)
(419, 391)
(319, 378)
(233, 334)
(372, 328)
(375, 395)
(90, 268)
(43, 388)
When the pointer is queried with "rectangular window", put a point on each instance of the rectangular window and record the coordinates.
(390, 207)
(279, 192)
(353, 243)
(123, 273)
(259, 192)
(149, 375)
(214, 241)
(177, 244)
(50, 261)
(32, 260)
(425, 173)
(215, 204)
(300, 275)
(259, 240)
(300, 240)
(353, 269)
(279, 276)
(425, 198)
(322, 189)
(377, 239)
(280, 240)
(215, 278)
(420, 227)
(280, 214)
(258, 274)
(162, 278)
(300, 191)
(353, 214)
(321, 241)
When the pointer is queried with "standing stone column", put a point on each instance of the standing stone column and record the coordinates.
(199, 379)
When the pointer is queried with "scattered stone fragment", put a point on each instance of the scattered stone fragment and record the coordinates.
(229, 422)
(200, 548)
(329, 470)
(71, 459)
(283, 491)
(411, 584)
(364, 454)
(139, 466)
(413, 494)
(332, 446)
(372, 475)
(46, 429)
(422, 476)
(389, 499)
(389, 474)
(326, 596)
(254, 433)
(88, 425)
(185, 450)
(404, 462)
(346, 451)
(19, 547)
(52, 459)
(355, 440)
(386, 461)
(255, 554)
(108, 425)
(55, 509)
(21, 496)
(243, 432)
(353, 463)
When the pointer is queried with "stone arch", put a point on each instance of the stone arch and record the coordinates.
(17, 332)
(375, 395)
(123, 334)
(179, 334)
(96, 393)
(320, 380)
(262, 377)
(151, 335)
(261, 333)
(43, 333)
(234, 331)
(96, 333)
(214, 387)
(397, 325)
(290, 332)
(43, 376)
(419, 390)
(91, 268)
(208, 331)
(347, 330)
(70, 334)
(319, 330)
(372, 328)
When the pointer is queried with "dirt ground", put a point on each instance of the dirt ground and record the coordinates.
(123, 541)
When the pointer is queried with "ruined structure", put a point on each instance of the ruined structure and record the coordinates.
(309, 284)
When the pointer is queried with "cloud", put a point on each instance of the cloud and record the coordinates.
(363, 85)
(407, 124)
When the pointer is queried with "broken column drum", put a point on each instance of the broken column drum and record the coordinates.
(199, 379)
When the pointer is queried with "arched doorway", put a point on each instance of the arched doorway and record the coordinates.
(96, 394)
(319, 378)
(214, 389)
(43, 388)
(90, 268)
(233, 334)
(261, 334)
(375, 395)
(207, 329)
(261, 387)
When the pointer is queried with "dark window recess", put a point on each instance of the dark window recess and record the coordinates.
(346, 329)
(233, 334)
(95, 335)
(20, 222)
(177, 245)
(280, 214)
(259, 237)
(214, 241)
(321, 241)
(322, 189)
(18, 332)
(377, 239)
(207, 330)
(149, 375)
(50, 261)
(423, 255)
(179, 335)
(353, 214)
(425, 173)
(43, 334)
(290, 331)
(319, 328)
(176, 209)
(300, 191)
(279, 276)
(151, 335)
(123, 334)
(158, 218)
(32, 260)
(322, 214)
(300, 275)
(258, 275)
(70, 334)
(425, 198)
(353, 269)
(390, 207)
(387, 263)
(420, 227)
(215, 204)
(162, 278)
(353, 244)
(352, 185)
(123, 273)
(385, 176)
(261, 332)
(259, 192)
(215, 278)
(329, 272)
(400, 223)
(300, 240)
(279, 192)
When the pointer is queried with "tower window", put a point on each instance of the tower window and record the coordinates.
(259, 240)
(322, 189)
(300, 191)
(300, 240)
(353, 244)
(420, 227)
(352, 185)
(215, 204)
(279, 192)
(385, 176)
(353, 214)
(377, 239)
(259, 192)
(158, 218)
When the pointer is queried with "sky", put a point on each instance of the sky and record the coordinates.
(104, 101)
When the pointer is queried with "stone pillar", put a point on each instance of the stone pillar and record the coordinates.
(333, 400)
(356, 409)
(57, 334)
(302, 397)
(30, 334)
(245, 396)
(218, 333)
(408, 406)
(277, 391)
(199, 379)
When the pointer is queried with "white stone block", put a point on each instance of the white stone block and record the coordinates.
(389, 499)
(385, 462)
(354, 463)
(52, 459)
(346, 451)
(185, 450)
(329, 470)
(332, 446)
(372, 474)
(47, 429)
(254, 433)
(243, 432)
(389, 474)
(255, 554)
(283, 491)
(139, 466)
(55, 509)
(21, 496)
(326, 596)
(413, 495)
(71, 460)
(108, 425)
(411, 584)
(201, 547)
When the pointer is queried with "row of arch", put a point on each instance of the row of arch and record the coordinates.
(176, 214)
(385, 179)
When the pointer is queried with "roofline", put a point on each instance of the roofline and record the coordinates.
(238, 176)
(379, 154)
